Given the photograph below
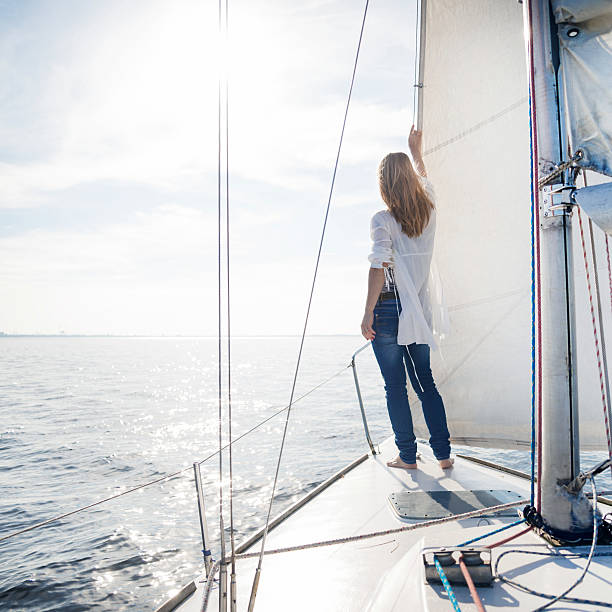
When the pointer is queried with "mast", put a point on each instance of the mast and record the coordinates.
(561, 512)
(422, 10)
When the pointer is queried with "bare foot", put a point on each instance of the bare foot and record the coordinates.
(398, 463)
(445, 464)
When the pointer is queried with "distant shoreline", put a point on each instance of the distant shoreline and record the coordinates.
(3, 335)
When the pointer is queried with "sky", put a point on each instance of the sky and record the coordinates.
(108, 161)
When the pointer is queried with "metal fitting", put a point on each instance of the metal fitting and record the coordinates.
(557, 200)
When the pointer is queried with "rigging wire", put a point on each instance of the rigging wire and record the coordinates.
(314, 279)
(229, 332)
(223, 568)
(173, 474)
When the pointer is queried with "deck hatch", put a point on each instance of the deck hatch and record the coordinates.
(425, 505)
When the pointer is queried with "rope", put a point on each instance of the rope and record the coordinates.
(447, 586)
(560, 169)
(595, 336)
(531, 591)
(563, 596)
(486, 535)
(365, 536)
(173, 474)
(209, 583)
(509, 538)
(533, 320)
(609, 268)
(386, 532)
(314, 279)
(536, 293)
(470, 584)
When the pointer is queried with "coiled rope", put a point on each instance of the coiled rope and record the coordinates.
(562, 596)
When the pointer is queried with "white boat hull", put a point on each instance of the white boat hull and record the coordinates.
(386, 573)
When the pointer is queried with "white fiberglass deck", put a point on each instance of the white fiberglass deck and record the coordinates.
(386, 573)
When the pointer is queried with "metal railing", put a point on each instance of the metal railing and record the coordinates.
(360, 399)
(197, 477)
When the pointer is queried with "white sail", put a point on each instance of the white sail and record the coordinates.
(475, 119)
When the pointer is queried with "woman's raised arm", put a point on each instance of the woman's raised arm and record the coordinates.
(414, 144)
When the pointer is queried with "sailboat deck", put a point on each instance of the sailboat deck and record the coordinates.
(386, 573)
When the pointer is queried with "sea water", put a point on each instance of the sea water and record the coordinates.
(82, 419)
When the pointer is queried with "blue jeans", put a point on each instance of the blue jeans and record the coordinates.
(394, 361)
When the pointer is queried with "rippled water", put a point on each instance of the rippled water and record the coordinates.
(83, 418)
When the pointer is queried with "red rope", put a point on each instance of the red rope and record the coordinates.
(509, 538)
(470, 584)
(609, 269)
(468, 578)
(534, 140)
(595, 335)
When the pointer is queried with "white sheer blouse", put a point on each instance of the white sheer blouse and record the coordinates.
(411, 262)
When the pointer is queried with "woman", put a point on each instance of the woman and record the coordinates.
(398, 315)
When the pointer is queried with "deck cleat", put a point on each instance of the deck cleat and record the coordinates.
(476, 558)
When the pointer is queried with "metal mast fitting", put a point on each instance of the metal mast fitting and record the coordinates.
(562, 512)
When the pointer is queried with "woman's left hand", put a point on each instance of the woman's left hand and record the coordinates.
(367, 323)
(414, 142)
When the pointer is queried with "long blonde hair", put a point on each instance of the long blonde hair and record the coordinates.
(404, 194)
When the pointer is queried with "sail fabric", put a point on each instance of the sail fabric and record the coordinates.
(476, 148)
(576, 11)
(585, 37)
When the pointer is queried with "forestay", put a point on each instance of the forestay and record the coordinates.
(476, 142)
